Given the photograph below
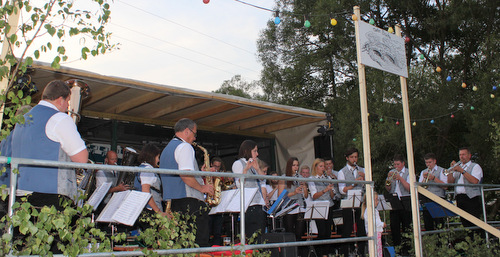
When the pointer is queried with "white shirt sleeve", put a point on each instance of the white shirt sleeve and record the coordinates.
(312, 188)
(443, 177)
(421, 178)
(237, 168)
(477, 172)
(148, 178)
(62, 129)
(184, 155)
(100, 178)
(341, 185)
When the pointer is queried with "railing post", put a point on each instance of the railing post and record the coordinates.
(12, 194)
(242, 213)
(484, 214)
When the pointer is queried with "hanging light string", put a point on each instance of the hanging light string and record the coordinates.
(256, 6)
(450, 114)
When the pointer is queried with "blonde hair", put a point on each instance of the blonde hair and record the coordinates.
(314, 165)
(363, 206)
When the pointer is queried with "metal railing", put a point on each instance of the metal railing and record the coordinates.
(15, 162)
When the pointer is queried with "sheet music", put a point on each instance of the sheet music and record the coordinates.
(99, 194)
(287, 210)
(383, 205)
(234, 205)
(225, 199)
(317, 210)
(113, 205)
(131, 207)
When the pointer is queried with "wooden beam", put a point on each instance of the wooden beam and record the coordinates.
(257, 121)
(103, 94)
(135, 102)
(234, 115)
(175, 104)
(460, 212)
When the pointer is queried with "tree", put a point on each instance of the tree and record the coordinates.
(238, 87)
(316, 68)
(55, 21)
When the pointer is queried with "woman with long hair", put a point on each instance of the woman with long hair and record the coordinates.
(322, 191)
(298, 192)
(150, 182)
(255, 217)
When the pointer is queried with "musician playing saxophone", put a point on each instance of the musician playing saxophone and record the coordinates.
(433, 173)
(186, 193)
(106, 176)
(468, 172)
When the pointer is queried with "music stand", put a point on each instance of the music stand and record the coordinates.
(315, 210)
(383, 205)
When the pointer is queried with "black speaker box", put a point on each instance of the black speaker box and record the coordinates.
(283, 237)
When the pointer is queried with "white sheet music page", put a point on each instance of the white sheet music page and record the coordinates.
(225, 199)
(234, 205)
(131, 207)
(99, 194)
(113, 204)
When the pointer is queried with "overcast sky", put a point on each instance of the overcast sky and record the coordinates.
(183, 43)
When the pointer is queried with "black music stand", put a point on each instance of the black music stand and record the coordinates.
(315, 210)
(396, 204)
(383, 205)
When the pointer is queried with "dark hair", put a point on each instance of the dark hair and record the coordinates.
(464, 148)
(218, 159)
(183, 124)
(246, 149)
(350, 151)
(398, 157)
(148, 154)
(289, 171)
(430, 156)
(328, 159)
(56, 89)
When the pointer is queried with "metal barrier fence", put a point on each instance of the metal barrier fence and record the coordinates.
(15, 162)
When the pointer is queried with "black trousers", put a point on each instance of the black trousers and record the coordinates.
(215, 225)
(198, 209)
(400, 221)
(255, 222)
(473, 206)
(295, 223)
(352, 219)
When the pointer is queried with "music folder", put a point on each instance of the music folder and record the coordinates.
(282, 198)
(124, 207)
(96, 198)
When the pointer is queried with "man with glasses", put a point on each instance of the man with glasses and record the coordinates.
(186, 193)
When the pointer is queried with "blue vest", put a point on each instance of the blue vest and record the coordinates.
(6, 150)
(30, 141)
(173, 186)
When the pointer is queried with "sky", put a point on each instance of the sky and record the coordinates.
(182, 43)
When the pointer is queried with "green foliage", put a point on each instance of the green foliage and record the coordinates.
(53, 20)
(38, 231)
(456, 243)
(238, 87)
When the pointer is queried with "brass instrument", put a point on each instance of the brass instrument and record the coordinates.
(450, 169)
(215, 199)
(79, 91)
(388, 182)
(129, 159)
(427, 178)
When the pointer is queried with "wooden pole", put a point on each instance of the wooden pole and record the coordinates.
(4, 82)
(366, 140)
(411, 164)
(459, 212)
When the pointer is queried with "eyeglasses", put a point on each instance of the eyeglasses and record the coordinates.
(193, 132)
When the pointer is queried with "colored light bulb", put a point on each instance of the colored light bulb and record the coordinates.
(464, 85)
(474, 88)
(206, 1)
(277, 20)
(414, 124)
(422, 56)
(438, 69)
(432, 121)
(372, 21)
(390, 30)
(448, 78)
(354, 17)
(307, 24)
(333, 22)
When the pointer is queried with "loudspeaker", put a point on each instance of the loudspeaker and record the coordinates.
(280, 238)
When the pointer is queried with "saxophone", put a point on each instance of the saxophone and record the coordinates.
(216, 182)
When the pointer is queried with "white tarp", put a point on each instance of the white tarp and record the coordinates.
(296, 142)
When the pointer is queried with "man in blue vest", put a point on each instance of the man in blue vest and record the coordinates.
(48, 133)
(468, 198)
(186, 193)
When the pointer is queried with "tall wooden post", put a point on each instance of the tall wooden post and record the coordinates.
(366, 140)
(411, 163)
(4, 82)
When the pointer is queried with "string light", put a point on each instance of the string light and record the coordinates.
(277, 19)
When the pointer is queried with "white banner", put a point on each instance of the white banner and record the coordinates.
(382, 50)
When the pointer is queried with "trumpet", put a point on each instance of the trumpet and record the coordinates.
(450, 169)
(388, 182)
(427, 178)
